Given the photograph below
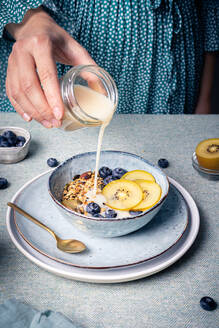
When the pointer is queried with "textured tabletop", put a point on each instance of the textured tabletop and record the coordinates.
(165, 300)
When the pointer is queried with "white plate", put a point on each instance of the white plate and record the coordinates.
(111, 275)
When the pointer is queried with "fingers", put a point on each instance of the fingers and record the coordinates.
(95, 84)
(34, 93)
(16, 106)
(24, 87)
(47, 73)
(77, 55)
(17, 95)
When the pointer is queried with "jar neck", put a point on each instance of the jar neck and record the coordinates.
(71, 78)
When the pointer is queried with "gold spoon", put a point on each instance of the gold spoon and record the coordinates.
(67, 245)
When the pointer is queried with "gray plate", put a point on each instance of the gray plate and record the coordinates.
(147, 243)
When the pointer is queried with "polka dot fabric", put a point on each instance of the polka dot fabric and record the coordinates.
(153, 48)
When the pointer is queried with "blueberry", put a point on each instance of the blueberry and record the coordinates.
(118, 172)
(10, 137)
(52, 162)
(3, 142)
(108, 179)
(207, 303)
(3, 183)
(163, 163)
(9, 134)
(104, 172)
(93, 208)
(135, 212)
(20, 141)
(19, 144)
(98, 215)
(12, 141)
(110, 214)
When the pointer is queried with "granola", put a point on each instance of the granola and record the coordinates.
(75, 192)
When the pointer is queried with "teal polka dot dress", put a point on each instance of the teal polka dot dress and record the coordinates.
(154, 49)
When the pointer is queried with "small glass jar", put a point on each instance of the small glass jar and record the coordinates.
(99, 82)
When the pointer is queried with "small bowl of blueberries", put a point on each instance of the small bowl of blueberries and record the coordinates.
(14, 144)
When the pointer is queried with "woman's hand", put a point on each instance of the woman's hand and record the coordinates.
(32, 84)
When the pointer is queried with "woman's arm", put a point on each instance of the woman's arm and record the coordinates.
(204, 100)
(32, 84)
(208, 11)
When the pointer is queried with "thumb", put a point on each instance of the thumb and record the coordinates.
(80, 56)
(76, 54)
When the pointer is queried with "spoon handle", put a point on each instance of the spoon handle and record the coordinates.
(30, 217)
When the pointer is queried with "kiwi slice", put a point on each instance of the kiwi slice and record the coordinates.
(151, 194)
(138, 174)
(207, 153)
(122, 194)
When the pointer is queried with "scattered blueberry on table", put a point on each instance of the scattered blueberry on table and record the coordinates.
(207, 303)
(9, 139)
(104, 172)
(118, 172)
(3, 183)
(52, 162)
(110, 214)
(93, 208)
(163, 163)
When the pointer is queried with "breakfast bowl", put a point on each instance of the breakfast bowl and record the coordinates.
(14, 154)
(105, 227)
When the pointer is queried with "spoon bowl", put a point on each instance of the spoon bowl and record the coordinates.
(65, 245)
(70, 245)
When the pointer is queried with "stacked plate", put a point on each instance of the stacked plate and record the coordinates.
(107, 260)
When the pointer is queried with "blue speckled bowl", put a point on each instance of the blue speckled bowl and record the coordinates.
(105, 227)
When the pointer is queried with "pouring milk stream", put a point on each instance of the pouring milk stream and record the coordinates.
(85, 106)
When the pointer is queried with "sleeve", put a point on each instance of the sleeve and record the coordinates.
(209, 15)
(13, 11)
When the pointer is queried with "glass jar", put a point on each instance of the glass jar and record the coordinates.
(89, 94)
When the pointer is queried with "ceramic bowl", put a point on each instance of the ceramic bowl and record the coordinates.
(104, 227)
(9, 155)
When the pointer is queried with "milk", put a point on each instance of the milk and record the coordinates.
(92, 103)
(99, 107)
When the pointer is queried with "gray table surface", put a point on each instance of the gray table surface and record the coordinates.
(167, 299)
